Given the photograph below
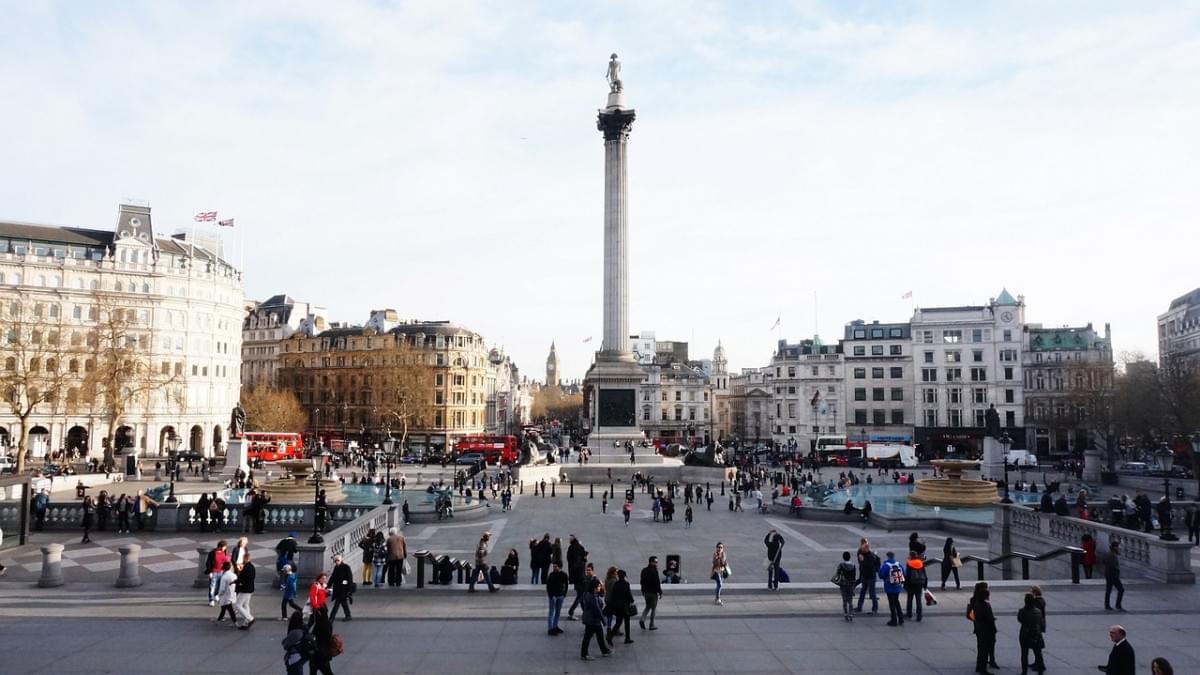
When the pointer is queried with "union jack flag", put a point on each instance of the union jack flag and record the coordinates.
(206, 216)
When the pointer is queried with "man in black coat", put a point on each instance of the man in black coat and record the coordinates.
(1121, 658)
(774, 543)
(985, 630)
(651, 592)
(1112, 576)
(245, 591)
(341, 582)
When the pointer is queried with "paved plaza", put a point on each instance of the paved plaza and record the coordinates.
(164, 626)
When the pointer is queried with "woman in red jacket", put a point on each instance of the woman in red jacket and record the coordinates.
(317, 593)
(1089, 555)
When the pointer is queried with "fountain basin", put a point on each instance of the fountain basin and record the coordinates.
(954, 490)
(297, 487)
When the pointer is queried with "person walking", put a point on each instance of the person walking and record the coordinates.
(397, 551)
(720, 569)
(1121, 660)
(216, 567)
(289, 593)
(557, 583)
(1112, 576)
(342, 581)
(1191, 521)
(379, 559)
(322, 654)
(1161, 666)
(318, 593)
(651, 593)
(950, 563)
(1040, 602)
(893, 582)
(688, 517)
(89, 514)
(915, 581)
(844, 577)
(481, 553)
(1088, 559)
(103, 508)
(627, 510)
(124, 511)
(141, 509)
(593, 620)
(227, 592)
(985, 630)
(1033, 624)
(774, 543)
(620, 598)
(240, 550)
(366, 545)
(868, 571)
(245, 593)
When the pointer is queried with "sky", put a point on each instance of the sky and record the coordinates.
(806, 161)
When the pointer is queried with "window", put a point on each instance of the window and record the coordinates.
(860, 334)
(954, 374)
(897, 373)
(679, 396)
(816, 371)
(860, 394)
(1010, 418)
(1008, 372)
(979, 394)
(976, 335)
(896, 350)
(955, 395)
(876, 332)
(678, 414)
(879, 417)
(977, 356)
(931, 418)
(955, 417)
(877, 394)
(1007, 355)
(928, 357)
(791, 410)
(930, 396)
(980, 419)
(927, 337)
(979, 374)
(897, 393)
(1008, 335)
(664, 395)
(791, 371)
(929, 374)
(954, 357)
(646, 413)
(897, 417)
(859, 350)
(860, 416)
(895, 332)
(1009, 396)
(952, 336)
(791, 390)
(876, 350)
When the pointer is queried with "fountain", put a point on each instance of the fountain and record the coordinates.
(954, 490)
(296, 487)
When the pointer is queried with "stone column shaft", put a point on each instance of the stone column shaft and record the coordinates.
(616, 124)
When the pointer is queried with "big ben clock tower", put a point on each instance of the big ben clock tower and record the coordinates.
(552, 368)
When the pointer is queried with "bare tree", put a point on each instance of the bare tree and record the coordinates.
(1091, 396)
(120, 374)
(1179, 390)
(406, 388)
(35, 374)
(270, 409)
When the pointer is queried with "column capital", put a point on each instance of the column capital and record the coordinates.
(615, 123)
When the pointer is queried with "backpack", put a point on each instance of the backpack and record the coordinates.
(895, 575)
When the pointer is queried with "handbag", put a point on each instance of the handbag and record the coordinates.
(726, 572)
(631, 609)
(955, 561)
(404, 568)
(930, 598)
(336, 647)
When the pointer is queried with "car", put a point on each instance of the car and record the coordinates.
(7, 465)
(1134, 467)
(410, 459)
(189, 455)
(469, 458)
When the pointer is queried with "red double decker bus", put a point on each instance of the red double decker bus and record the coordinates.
(495, 449)
(271, 446)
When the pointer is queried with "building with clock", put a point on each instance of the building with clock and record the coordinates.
(964, 360)
(552, 368)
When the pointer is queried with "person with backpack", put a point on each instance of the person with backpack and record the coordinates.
(289, 593)
(215, 564)
(915, 581)
(868, 569)
(326, 645)
(844, 578)
(893, 582)
(298, 646)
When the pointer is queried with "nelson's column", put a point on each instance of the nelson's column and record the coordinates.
(615, 375)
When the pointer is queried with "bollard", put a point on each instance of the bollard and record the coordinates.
(131, 566)
(979, 569)
(611, 489)
(591, 490)
(1025, 569)
(1076, 561)
(51, 566)
(707, 487)
(201, 580)
(722, 488)
(421, 556)
(572, 490)
(551, 490)
(522, 489)
(458, 567)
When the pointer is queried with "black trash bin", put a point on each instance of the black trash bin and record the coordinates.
(671, 574)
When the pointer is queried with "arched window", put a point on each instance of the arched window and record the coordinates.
(51, 365)
(53, 311)
(41, 280)
(73, 366)
(132, 287)
(145, 287)
(94, 285)
(10, 363)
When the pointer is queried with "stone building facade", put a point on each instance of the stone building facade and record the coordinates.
(184, 307)
(807, 392)
(336, 374)
(1068, 382)
(878, 383)
(1179, 330)
(267, 324)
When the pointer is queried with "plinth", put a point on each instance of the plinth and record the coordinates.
(235, 458)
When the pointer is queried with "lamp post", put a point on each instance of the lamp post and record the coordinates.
(387, 459)
(318, 465)
(1166, 459)
(172, 448)
(1005, 441)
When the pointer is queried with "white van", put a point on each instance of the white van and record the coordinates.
(892, 455)
(1021, 458)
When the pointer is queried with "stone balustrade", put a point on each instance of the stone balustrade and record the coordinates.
(182, 517)
(1019, 528)
(343, 540)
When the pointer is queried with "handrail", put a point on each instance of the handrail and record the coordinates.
(1075, 552)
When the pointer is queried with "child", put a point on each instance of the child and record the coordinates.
(289, 592)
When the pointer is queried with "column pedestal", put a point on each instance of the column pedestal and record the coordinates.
(235, 458)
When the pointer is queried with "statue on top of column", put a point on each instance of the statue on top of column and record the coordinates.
(614, 75)
(992, 422)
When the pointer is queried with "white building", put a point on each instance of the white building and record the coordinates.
(673, 403)
(750, 403)
(878, 385)
(1179, 329)
(509, 401)
(182, 302)
(266, 324)
(966, 359)
(807, 393)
